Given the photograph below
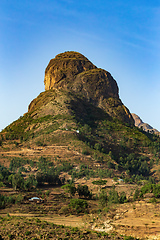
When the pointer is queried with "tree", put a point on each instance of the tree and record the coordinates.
(78, 205)
(17, 181)
(83, 190)
(103, 198)
(122, 197)
(70, 188)
(113, 196)
(30, 183)
(136, 194)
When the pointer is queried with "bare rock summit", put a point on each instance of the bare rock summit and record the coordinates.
(145, 126)
(74, 73)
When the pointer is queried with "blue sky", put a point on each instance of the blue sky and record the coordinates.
(123, 37)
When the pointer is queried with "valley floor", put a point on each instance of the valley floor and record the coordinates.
(139, 219)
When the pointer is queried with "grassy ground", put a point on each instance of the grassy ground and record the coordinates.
(52, 218)
(35, 228)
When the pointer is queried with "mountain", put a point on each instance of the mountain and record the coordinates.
(80, 110)
(145, 126)
(78, 141)
(74, 75)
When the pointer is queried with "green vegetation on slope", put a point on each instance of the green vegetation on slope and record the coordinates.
(118, 147)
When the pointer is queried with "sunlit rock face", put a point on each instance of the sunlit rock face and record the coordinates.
(73, 72)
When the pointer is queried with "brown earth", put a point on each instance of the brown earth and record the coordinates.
(139, 219)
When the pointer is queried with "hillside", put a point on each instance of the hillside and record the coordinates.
(78, 150)
(81, 109)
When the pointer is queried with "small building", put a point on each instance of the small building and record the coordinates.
(120, 180)
(36, 200)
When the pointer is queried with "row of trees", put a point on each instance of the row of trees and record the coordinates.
(46, 173)
(111, 197)
(18, 182)
(138, 165)
(82, 190)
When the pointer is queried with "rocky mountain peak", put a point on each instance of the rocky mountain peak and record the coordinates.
(64, 67)
(74, 74)
(145, 126)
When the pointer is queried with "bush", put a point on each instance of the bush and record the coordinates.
(28, 233)
(17, 181)
(4, 174)
(137, 165)
(70, 188)
(151, 188)
(103, 198)
(99, 182)
(136, 195)
(98, 146)
(64, 210)
(40, 143)
(122, 197)
(17, 162)
(128, 238)
(113, 196)
(78, 205)
(85, 152)
(83, 191)
(5, 200)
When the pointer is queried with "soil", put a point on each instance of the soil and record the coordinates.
(139, 219)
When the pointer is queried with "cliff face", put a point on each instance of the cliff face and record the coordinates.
(64, 68)
(145, 126)
(74, 73)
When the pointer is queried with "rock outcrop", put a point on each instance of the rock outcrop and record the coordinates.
(74, 73)
(63, 69)
(145, 126)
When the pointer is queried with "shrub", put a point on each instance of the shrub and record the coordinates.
(64, 210)
(113, 196)
(99, 182)
(122, 197)
(98, 146)
(28, 233)
(137, 165)
(4, 174)
(17, 162)
(5, 200)
(70, 188)
(128, 238)
(136, 194)
(83, 191)
(103, 198)
(78, 205)
(153, 188)
(17, 181)
(40, 143)
(85, 152)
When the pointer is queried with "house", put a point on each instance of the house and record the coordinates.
(36, 200)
